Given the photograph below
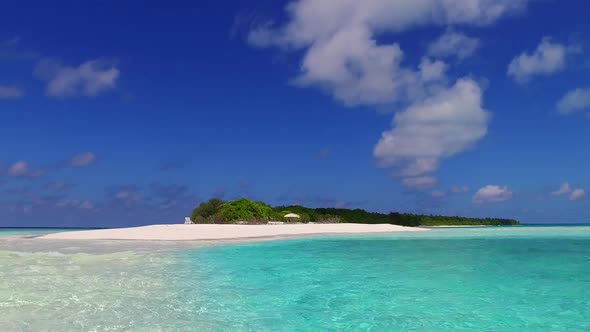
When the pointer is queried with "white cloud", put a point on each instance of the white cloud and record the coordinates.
(10, 92)
(22, 169)
(83, 159)
(421, 182)
(313, 20)
(575, 100)
(577, 194)
(431, 71)
(491, 193)
(438, 127)
(547, 59)
(19, 168)
(343, 57)
(564, 189)
(352, 67)
(342, 54)
(88, 79)
(453, 43)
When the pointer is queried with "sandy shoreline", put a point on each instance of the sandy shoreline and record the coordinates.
(224, 232)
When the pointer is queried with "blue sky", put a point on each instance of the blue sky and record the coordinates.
(120, 113)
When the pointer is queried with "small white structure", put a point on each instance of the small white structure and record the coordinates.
(187, 221)
(291, 216)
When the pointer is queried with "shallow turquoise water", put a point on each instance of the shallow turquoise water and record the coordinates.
(500, 279)
(33, 231)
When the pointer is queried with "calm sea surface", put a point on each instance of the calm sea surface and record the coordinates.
(492, 279)
(34, 231)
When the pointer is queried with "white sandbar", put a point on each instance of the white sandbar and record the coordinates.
(224, 232)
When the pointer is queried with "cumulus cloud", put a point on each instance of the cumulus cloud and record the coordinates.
(22, 169)
(83, 159)
(432, 70)
(88, 79)
(453, 43)
(10, 92)
(564, 189)
(491, 193)
(577, 194)
(343, 57)
(354, 68)
(342, 54)
(548, 58)
(438, 127)
(19, 168)
(575, 100)
(313, 20)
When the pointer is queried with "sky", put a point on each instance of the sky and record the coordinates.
(118, 113)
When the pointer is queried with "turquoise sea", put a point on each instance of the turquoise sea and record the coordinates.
(33, 231)
(466, 279)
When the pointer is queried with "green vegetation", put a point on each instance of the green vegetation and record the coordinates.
(207, 212)
(217, 211)
(244, 210)
(430, 220)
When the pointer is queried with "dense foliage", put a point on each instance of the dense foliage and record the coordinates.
(244, 210)
(218, 212)
(430, 220)
(405, 219)
(206, 212)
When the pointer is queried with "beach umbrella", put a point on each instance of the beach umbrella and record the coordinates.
(291, 216)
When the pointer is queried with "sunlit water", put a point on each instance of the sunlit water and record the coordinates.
(497, 279)
(33, 231)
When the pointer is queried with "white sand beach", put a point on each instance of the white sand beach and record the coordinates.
(224, 232)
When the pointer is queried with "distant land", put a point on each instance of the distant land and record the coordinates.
(217, 211)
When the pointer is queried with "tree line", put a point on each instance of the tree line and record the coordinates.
(217, 211)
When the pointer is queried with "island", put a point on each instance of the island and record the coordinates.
(247, 220)
(245, 211)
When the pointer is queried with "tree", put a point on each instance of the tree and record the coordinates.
(245, 210)
(206, 210)
(217, 211)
